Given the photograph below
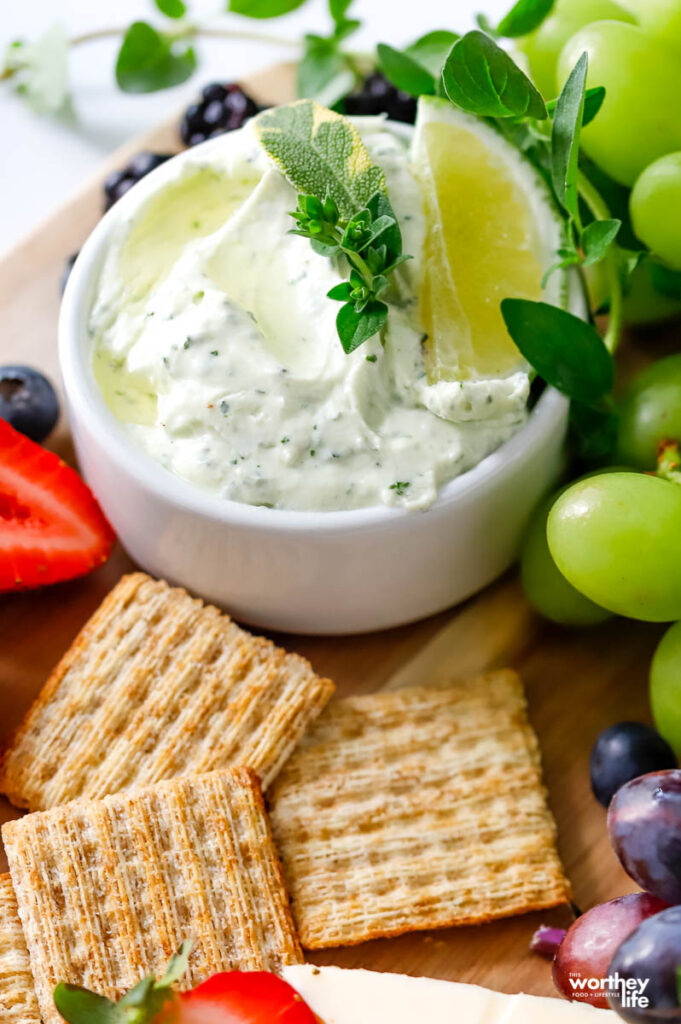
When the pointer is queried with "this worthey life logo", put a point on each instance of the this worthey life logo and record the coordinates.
(623, 992)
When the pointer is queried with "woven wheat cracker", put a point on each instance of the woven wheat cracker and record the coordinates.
(421, 808)
(107, 890)
(18, 1003)
(156, 686)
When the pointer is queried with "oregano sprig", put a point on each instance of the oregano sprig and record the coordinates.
(370, 246)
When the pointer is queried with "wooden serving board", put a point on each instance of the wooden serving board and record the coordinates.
(578, 682)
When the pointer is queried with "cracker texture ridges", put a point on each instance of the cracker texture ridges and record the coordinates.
(416, 809)
(18, 1003)
(108, 890)
(158, 685)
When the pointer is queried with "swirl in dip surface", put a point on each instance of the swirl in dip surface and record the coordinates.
(215, 345)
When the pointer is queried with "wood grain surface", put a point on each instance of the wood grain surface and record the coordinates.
(577, 682)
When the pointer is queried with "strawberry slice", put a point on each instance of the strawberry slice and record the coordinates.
(51, 527)
(244, 997)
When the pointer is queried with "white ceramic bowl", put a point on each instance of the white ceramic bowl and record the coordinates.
(302, 572)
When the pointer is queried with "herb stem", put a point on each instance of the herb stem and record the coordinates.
(201, 31)
(600, 210)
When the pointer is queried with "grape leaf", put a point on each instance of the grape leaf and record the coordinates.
(321, 154)
(567, 121)
(263, 8)
(404, 71)
(149, 60)
(430, 50)
(565, 351)
(597, 238)
(171, 8)
(481, 78)
(525, 16)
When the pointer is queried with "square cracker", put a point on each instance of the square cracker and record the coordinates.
(18, 1003)
(421, 808)
(107, 890)
(156, 686)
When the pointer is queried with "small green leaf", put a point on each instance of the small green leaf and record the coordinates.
(565, 351)
(171, 8)
(149, 60)
(593, 431)
(323, 73)
(597, 238)
(338, 9)
(567, 121)
(524, 17)
(355, 328)
(41, 70)
(665, 280)
(481, 78)
(404, 71)
(320, 153)
(340, 292)
(430, 50)
(263, 8)
(177, 965)
(79, 1006)
(593, 101)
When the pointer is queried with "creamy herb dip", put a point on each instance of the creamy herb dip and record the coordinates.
(215, 344)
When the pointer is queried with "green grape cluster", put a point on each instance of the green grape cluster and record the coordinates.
(610, 543)
(634, 52)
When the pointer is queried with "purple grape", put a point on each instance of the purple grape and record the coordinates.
(651, 956)
(644, 822)
(623, 752)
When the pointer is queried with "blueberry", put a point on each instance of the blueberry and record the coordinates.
(379, 96)
(622, 753)
(27, 401)
(119, 182)
(221, 108)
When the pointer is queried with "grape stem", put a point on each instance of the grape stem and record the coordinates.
(599, 209)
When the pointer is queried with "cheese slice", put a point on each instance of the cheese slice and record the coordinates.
(340, 996)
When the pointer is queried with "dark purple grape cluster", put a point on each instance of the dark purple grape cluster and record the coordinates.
(379, 96)
(221, 108)
(119, 182)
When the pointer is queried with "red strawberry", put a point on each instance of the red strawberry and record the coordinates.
(238, 997)
(51, 527)
(234, 997)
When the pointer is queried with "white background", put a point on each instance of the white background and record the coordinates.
(43, 160)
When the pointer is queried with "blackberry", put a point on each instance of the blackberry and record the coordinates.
(379, 96)
(221, 108)
(66, 272)
(28, 401)
(118, 183)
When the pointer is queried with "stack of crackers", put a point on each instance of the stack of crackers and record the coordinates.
(143, 764)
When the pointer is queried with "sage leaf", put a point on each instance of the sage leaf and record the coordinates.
(172, 8)
(355, 328)
(597, 238)
(525, 16)
(430, 50)
(149, 60)
(565, 350)
(321, 154)
(263, 8)
(565, 133)
(404, 71)
(481, 78)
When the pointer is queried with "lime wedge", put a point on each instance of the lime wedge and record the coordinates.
(491, 232)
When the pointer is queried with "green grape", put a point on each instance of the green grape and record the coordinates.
(665, 687)
(542, 47)
(659, 18)
(545, 587)
(655, 206)
(640, 119)
(650, 412)
(642, 304)
(616, 537)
